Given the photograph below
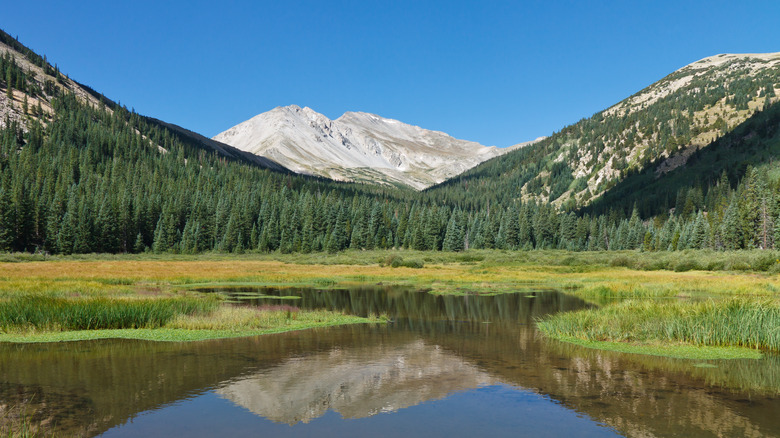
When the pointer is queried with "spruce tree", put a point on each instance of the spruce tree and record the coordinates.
(453, 239)
(9, 91)
(339, 239)
(512, 229)
(7, 221)
(139, 246)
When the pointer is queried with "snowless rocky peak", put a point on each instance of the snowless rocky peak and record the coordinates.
(356, 147)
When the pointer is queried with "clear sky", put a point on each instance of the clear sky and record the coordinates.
(489, 71)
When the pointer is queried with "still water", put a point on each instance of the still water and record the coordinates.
(444, 366)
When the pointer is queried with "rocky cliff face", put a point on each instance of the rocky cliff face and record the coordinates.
(356, 147)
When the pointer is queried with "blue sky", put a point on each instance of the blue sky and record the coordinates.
(494, 72)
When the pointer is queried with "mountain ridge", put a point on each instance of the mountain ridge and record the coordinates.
(42, 83)
(357, 146)
(661, 125)
(100, 178)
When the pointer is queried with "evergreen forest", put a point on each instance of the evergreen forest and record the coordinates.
(88, 178)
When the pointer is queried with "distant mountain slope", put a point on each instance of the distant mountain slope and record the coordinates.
(35, 84)
(356, 147)
(756, 143)
(662, 126)
(221, 148)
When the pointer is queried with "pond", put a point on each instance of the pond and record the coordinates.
(444, 366)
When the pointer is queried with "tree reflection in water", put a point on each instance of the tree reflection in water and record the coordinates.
(435, 346)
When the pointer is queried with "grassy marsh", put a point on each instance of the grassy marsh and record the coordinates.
(41, 313)
(593, 275)
(659, 283)
(225, 322)
(725, 328)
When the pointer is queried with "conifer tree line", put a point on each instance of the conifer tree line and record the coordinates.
(104, 179)
(95, 180)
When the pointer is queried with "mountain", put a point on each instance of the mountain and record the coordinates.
(357, 382)
(36, 84)
(694, 151)
(755, 143)
(356, 147)
(660, 127)
(81, 173)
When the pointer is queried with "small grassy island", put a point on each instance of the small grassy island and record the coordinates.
(732, 328)
(189, 318)
(73, 312)
(721, 305)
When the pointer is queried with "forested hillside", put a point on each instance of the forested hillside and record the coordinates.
(31, 84)
(98, 181)
(756, 142)
(658, 128)
(80, 174)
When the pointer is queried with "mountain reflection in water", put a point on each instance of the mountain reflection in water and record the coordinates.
(436, 347)
(356, 383)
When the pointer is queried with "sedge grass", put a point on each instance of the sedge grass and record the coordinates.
(224, 322)
(37, 312)
(672, 328)
(680, 261)
(478, 272)
(598, 277)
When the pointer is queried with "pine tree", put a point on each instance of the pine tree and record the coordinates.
(512, 229)
(67, 233)
(749, 209)
(84, 240)
(339, 239)
(7, 221)
(647, 242)
(9, 91)
(159, 243)
(454, 237)
(731, 229)
(107, 228)
(525, 228)
(139, 246)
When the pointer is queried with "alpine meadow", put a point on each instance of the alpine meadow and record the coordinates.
(617, 277)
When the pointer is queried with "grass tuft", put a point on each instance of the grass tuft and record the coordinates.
(225, 322)
(663, 324)
(40, 312)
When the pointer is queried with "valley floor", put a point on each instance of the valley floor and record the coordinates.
(698, 304)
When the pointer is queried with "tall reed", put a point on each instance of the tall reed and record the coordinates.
(46, 312)
(753, 323)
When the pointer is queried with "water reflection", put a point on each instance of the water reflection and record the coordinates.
(436, 346)
(356, 383)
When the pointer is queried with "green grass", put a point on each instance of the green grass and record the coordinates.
(41, 312)
(678, 351)
(678, 261)
(220, 322)
(183, 334)
(711, 328)
(602, 278)
(17, 422)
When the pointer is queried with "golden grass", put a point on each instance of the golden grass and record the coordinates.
(482, 273)
(166, 277)
(251, 318)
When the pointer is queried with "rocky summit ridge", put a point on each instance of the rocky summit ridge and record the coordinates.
(357, 146)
